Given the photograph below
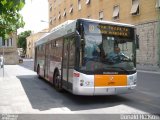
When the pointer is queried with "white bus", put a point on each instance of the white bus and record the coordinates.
(88, 57)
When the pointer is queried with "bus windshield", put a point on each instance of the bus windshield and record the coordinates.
(103, 52)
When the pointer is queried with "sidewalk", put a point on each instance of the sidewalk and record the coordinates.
(148, 68)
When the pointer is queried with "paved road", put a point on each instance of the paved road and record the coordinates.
(22, 92)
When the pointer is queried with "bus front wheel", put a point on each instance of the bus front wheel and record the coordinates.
(57, 81)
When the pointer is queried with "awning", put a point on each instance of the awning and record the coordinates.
(87, 1)
(135, 6)
(116, 11)
(71, 9)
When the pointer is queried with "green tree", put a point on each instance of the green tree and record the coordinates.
(10, 19)
(22, 39)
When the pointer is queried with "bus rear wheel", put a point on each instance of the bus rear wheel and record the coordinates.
(57, 81)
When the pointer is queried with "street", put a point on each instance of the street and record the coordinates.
(22, 92)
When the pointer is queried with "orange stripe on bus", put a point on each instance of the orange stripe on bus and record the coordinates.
(110, 80)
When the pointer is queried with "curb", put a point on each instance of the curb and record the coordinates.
(147, 71)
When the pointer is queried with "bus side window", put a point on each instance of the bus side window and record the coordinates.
(72, 52)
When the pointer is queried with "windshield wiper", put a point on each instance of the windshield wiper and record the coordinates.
(121, 69)
(111, 69)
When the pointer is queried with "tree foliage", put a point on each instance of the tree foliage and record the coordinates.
(22, 39)
(10, 19)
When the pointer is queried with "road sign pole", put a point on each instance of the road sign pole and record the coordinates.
(3, 61)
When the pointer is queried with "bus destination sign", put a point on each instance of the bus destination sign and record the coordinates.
(110, 30)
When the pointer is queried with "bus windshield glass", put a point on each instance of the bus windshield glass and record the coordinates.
(107, 48)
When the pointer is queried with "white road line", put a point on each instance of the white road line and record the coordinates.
(152, 72)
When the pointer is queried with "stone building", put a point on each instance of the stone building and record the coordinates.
(30, 42)
(144, 14)
(8, 48)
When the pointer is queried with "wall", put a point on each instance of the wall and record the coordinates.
(30, 42)
(10, 51)
(148, 40)
(147, 9)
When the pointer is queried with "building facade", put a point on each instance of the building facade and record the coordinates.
(8, 48)
(30, 42)
(144, 14)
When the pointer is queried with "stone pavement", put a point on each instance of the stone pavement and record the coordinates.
(148, 68)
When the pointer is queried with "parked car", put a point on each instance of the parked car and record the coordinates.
(1, 61)
(20, 60)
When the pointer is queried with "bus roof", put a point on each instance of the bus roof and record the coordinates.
(107, 22)
(59, 31)
(70, 27)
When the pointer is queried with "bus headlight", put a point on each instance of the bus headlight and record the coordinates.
(81, 82)
(85, 83)
(132, 79)
(135, 79)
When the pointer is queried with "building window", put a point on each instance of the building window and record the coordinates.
(64, 13)
(59, 15)
(158, 4)
(89, 16)
(50, 7)
(88, 2)
(8, 42)
(54, 18)
(101, 15)
(135, 7)
(116, 12)
(79, 5)
(11, 41)
(71, 9)
(50, 21)
(1, 42)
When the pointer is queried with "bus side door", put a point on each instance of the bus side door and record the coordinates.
(47, 60)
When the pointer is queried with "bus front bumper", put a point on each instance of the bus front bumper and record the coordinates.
(115, 90)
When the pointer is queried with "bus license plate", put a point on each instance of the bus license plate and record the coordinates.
(110, 90)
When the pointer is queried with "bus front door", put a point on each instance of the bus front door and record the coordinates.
(68, 62)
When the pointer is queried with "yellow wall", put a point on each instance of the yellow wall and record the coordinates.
(30, 43)
(147, 8)
(146, 21)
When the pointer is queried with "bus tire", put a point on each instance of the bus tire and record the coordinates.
(57, 82)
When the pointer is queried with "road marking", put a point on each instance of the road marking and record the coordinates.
(152, 72)
(150, 94)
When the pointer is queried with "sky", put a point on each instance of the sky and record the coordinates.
(33, 13)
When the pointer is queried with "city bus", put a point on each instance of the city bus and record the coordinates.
(78, 56)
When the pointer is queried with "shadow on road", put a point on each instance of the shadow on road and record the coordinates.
(43, 96)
